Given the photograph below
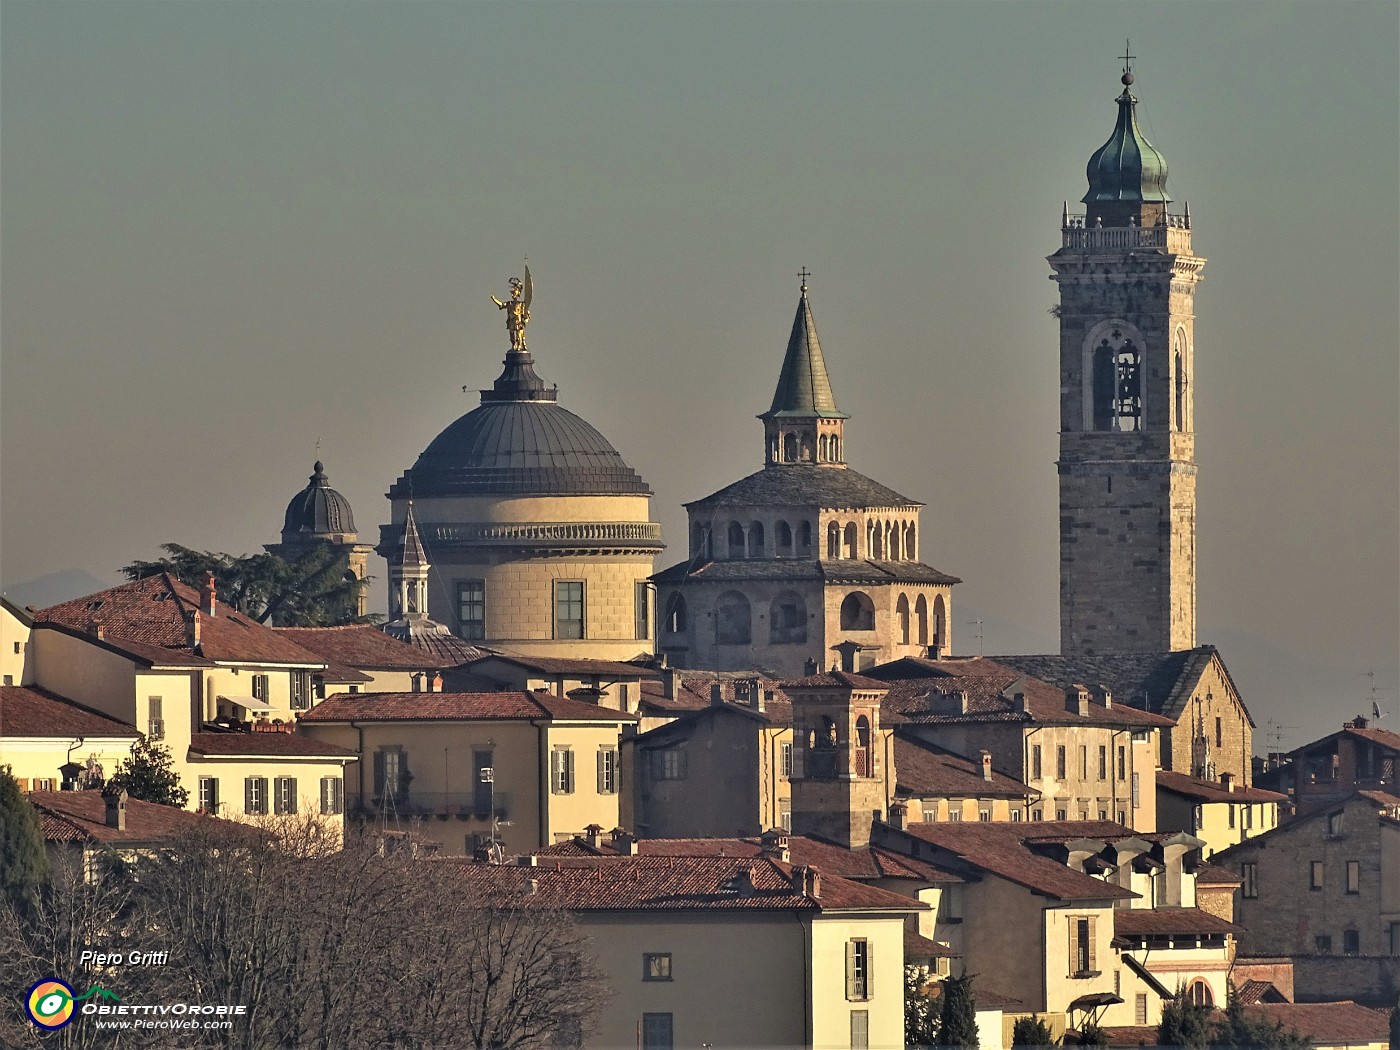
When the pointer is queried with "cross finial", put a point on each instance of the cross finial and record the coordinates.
(804, 273)
(1126, 57)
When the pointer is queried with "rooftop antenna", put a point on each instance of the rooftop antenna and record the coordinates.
(978, 625)
(1376, 711)
(1273, 738)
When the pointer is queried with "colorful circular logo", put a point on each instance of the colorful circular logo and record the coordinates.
(50, 1003)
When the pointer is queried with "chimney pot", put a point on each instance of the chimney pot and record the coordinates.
(986, 765)
(1104, 695)
(672, 680)
(437, 682)
(208, 600)
(1227, 781)
(115, 809)
(899, 814)
(1077, 700)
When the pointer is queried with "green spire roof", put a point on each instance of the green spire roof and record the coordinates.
(804, 390)
(1127, 167)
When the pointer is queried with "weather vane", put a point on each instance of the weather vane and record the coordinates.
(517, 309)
(1127, 58)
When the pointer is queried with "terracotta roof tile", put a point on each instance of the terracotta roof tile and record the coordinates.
(917, 946)
(570, 667)
(1331, 1023)
(925, 770)
(154, 611)
(264, 745)
(455, 707)
(836, 680)
(32, 711)
(1143, 921)
(364, 646)
(1216, 875)
(1212, 791)
(80, 816)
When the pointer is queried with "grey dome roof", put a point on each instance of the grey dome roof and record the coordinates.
(519, 441)
(317, 510)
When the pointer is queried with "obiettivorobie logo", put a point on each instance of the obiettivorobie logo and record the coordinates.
(51, 1002)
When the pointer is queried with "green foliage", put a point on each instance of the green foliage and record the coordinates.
(1032, 1032)
(1395, 1025)
(149, 774)
(24, 866)
(1091, 1034)
(957, 1021)
(1239, 1031)
(920, 1019)
(1184, 1024)
(315, 590)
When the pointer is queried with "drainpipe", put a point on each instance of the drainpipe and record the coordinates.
(548, 785)
(889, 765)
(807, 960)
(1025, 770)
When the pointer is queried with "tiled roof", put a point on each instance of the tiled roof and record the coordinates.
(805, 485)
(925, 692)
(81, 816)
(139, 652)
(435, 640)
(1002, 849)
(859, 571)
(1376, 735)
(665, 884)
(1382, 798)
(836, 680)
(917, 946)
(1327, 1023)
(925, 770)
(804, 390)
(1212, 791)
(1216, 875)
(455, 707)
(1131, 1035)
(263, 745)
(27, 710)
(363, 646)
(568, 667)
(1143, 921)
(1252, 992)
(694, 689)
(154, 611)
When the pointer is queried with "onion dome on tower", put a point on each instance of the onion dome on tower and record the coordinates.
(1127, 174)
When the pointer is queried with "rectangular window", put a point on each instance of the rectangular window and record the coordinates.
(1060, 762)
(1081, 946)
(1140, 1008)
(955, 813)
(1249, 818)
(45, 783)
(1061, 814)
(1230, 814)
(787, 760)
(1353, 876)
(656, 966)
(607, 771)
(1351, 942)
(209, 795)
(858, 969)
(155, 723)
(785, 814)
(860, 1030)
(984, 814)
(1334, 823)
(1103, 762)
(1122, 762)
(301, 690)
(1219, 734)
(568, 609)
(471, 609)
(668, 765)
(1394, 938)
(1083, 762)
(657, 1032)
(643, 610)
(390, 774)
(332, 796)
(1137, 790)
(1317, 875)
(1249, 872)
(1015, 816)
(1322, 944)
(260, 687)
(483, 783)
(1036, 770)
(255, 794)
(284, 795)
(1122, 816)
(561, 771)
(1037, 814)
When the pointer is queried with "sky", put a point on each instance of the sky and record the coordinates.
(236, 237)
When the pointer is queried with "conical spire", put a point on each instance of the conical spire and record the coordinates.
(413, 555)
(804, 389)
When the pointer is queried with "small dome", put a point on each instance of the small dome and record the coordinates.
(317, 511)
(1127, 167)
(519, 441)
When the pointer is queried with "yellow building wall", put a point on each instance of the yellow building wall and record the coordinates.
(1061, 988)
(88, 673)
(39, 758)
(231, 773)
(14, 649)
(1081, 797)
(831, 1010)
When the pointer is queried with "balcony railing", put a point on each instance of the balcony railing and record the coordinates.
(425, 804)
(1174, 237)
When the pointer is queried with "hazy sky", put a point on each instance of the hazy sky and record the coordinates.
(230, 231)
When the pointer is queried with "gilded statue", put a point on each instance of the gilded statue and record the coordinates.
(517, 309)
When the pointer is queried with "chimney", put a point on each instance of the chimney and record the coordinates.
(774, 842)
(986, 765)
(437, 682)
(96, 629)
(1227, 781)
(1018, 703)
(671, 679)
(1077, 700)
(115, 816)
(593, 835)
(532, 886)
(899, 814)
(193, 625)
(623, 842)
(1103, 695)
(208, 600)
(809, 668)
(716, 694)
(806, 880)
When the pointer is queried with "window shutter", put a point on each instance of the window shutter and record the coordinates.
(569, 771)
(869, 988)
(851, 970)
(247, 794)
(291, 794)
(1092, 925)
(1073, 945)
(602, 773)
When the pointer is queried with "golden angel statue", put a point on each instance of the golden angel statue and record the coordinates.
(517, 309)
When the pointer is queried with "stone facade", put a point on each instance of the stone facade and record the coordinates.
(1127, 465)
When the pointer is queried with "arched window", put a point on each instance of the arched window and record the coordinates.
(850, 552)
(821, 448)
(911, 549)
(1182, 382)
(807, 449)
(835, 449)
(733, 620)
(1117, 382)
(857, 612)
(877, 540)
(787, 619)
(1198, 993)
(790, 448)
(833, 540)
(675, 621)
(700, 541)
(736, 540)
(940, 625)
(901, 613)
(822, 744)
(804, 537)
(921, 620)
(756, 540)
(892, 541)
(860, 756)
(784, 538)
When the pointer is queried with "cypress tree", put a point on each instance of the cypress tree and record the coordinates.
(24, 866)
(957, 1022)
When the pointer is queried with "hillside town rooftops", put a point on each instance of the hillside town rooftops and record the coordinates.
(924, 769)
(456, 707)
(81, 816)
(263, 745)
(1211, 790)
(364, 646)
(29, 711)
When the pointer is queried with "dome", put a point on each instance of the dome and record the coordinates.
(317, 511)
(519, 441)
(1127, 167)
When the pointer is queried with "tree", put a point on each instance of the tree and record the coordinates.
(1032, 1032)
(1091, 1034)
(316, 589)
(1395, 1025)
(957, 1021)
(1237, 1030)
(23, 863)
(920, 1018)
(1184, 1024)
(149, 775)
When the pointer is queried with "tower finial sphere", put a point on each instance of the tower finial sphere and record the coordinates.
(1128, 79)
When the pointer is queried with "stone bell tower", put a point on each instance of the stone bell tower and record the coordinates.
(1127, 466)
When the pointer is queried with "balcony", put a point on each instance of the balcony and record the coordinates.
(424, 805)
(1174, 237)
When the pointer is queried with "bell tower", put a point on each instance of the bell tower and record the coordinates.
(1127, 279)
